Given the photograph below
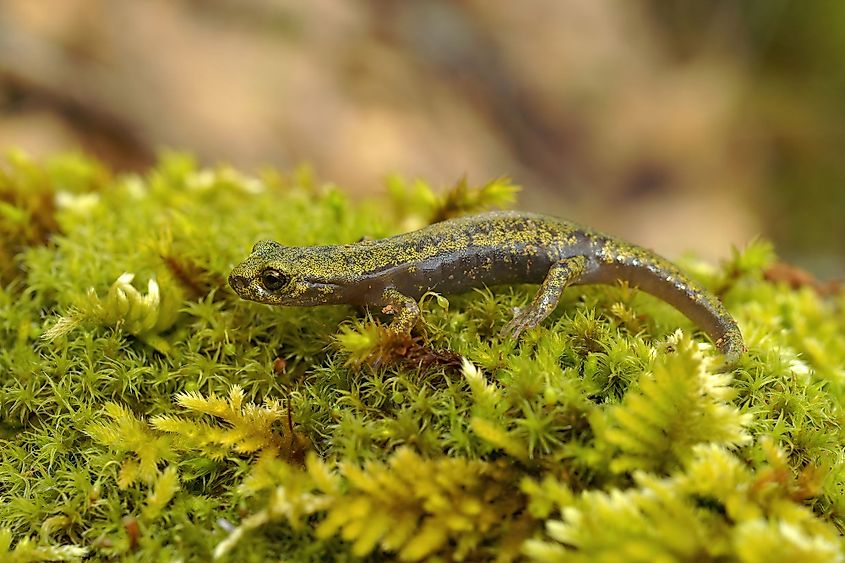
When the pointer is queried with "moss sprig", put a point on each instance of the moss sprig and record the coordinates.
(27, 550)
(250, 428)
(679, 403)
(412, 507)
(715, 508)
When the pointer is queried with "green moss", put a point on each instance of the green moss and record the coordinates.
(147, 412)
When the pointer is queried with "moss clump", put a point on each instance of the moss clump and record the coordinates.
(147, 412)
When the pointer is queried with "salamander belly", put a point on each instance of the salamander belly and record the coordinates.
(474, 267)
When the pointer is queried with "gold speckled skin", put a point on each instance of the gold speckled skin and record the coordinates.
(458, 254)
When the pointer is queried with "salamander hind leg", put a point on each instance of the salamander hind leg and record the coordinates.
(404, 309)
(560, 275)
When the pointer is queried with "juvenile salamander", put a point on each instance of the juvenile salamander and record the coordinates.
(458, 254)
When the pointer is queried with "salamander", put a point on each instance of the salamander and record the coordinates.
(452, 256)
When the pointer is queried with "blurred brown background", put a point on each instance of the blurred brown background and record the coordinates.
(683, 125)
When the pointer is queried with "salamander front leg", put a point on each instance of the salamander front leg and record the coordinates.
(405, 310)
(560, 275)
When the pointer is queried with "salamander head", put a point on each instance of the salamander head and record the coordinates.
(284, 275)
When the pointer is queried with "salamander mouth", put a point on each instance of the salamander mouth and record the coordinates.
(238, 283)
(246, 288)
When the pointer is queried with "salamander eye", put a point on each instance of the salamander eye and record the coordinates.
(273, 280)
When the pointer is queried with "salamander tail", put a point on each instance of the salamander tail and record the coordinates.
(731, 346)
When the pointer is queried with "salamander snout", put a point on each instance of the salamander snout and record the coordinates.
(238, 282)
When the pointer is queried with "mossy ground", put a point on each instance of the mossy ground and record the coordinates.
(150, 414)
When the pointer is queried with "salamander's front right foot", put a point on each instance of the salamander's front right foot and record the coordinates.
(405, 311)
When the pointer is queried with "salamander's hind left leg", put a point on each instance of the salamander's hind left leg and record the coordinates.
(560, 275)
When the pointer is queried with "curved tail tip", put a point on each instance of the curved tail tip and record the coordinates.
(731, 346)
